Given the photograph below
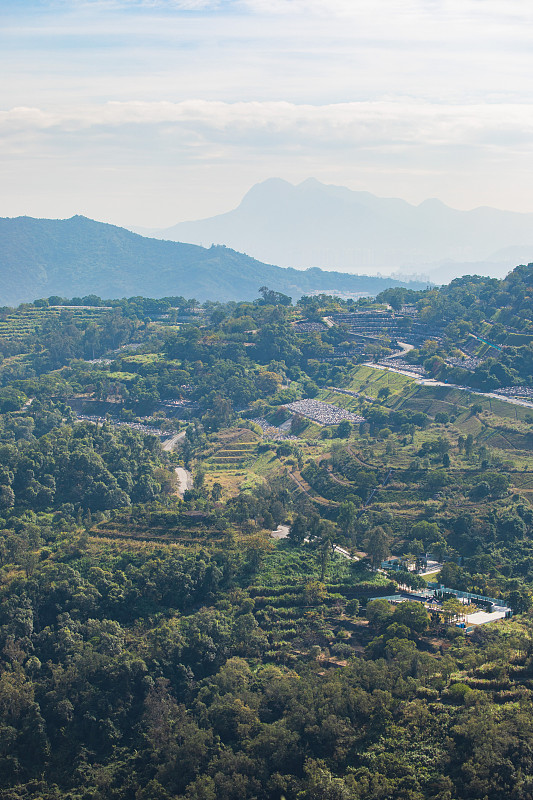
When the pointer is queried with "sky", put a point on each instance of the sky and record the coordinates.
(151, 112)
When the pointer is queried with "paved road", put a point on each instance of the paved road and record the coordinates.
(342, 552)
(406, 348)
(184, 480)
(172, 443)
(338, 549)
(432, 382)
(281, 532)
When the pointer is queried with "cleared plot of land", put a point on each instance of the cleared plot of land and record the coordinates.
(370, 381)
(235, 463)
(232, 481)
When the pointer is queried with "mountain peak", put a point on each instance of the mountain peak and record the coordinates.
(432, 203)
(311, 183)
(313, 224)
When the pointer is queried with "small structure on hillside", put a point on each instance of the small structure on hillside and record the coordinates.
(486, 609)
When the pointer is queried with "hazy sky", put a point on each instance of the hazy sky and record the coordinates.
(149, 112)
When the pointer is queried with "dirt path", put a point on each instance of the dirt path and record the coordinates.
(338, 480)
(306, 489)
(360, 460)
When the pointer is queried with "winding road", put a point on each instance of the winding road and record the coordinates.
(172, 443)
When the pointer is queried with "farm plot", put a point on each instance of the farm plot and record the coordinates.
(235, 452)
(26, 321)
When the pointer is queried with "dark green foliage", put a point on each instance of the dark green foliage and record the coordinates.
(159, 649)
(497, 312)
(84, 466)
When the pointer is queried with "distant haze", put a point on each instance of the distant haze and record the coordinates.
(78, 256)
(332, 227)
(148, 112)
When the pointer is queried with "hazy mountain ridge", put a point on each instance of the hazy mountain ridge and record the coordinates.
(334, 227)
(79, 256)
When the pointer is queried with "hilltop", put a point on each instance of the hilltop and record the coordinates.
(78, 256)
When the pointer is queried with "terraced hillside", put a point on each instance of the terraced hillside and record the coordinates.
(26, 320)
(233, 451)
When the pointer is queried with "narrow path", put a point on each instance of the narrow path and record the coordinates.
(359, 459)
(338, 480)
(314, 498)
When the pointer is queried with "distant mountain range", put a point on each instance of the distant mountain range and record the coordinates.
(314, 225)
(78, 256)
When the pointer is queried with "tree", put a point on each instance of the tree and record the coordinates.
(352, 607)
(344, 429)
(298, 530)
(453, 576)
(377, 546)
(315, 593)
(325, 536)
(436, 480)
(7, 497)
(452, 609)
(347, 518)
(413, 615)
(520, 600)
(378, 612)
(425, 531)
(268, 382)
(272, 298)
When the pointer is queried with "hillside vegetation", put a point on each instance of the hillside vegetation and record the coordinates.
(486, 325)
(79, 256)
(158, 642)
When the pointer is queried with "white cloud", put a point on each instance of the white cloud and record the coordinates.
(371, 123)
(405, 97)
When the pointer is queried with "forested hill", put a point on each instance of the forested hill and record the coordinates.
(78, 256)
(506, 305)
(486, 326)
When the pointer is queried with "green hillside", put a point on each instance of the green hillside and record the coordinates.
(194, 518)
(79, 256)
